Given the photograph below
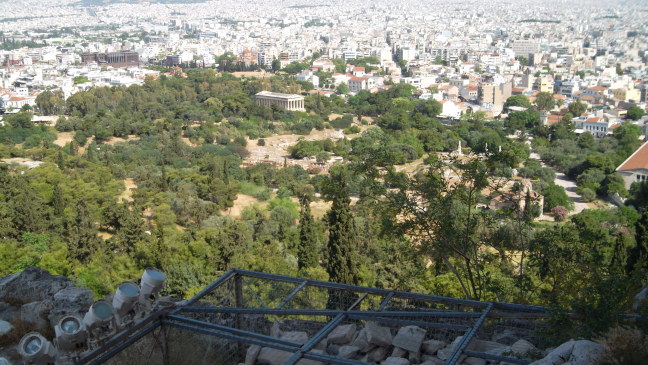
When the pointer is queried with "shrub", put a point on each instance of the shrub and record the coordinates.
(624, 345)
(588, 194)
(261, 142)
(559, 212)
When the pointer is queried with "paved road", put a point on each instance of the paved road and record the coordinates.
(569, 185)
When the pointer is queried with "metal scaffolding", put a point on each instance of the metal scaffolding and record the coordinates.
(243, 308)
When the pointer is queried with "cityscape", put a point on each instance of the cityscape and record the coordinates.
(323, 182)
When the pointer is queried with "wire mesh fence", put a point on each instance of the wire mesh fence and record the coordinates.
(265, 319)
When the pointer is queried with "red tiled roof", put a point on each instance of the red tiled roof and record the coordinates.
(638, 160)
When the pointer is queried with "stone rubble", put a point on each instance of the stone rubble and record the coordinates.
(374, 343)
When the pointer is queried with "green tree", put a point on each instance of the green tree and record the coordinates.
(518, 100)
(577, 108)
(307, 251)
(638, 255)
(545, 101)
(555, 195)
(635, 112)
(342, 89)
(341, 262)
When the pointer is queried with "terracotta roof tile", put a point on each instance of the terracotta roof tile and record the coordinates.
(638, 160)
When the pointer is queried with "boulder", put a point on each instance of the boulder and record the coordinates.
(396, 361)
(342, 335)
(31, 285)
(585, 352)
(332, 349)
(414, 357)
(506, 337)
(36, 313)
(348, 352)
(522, 347)
(378, 335)
(270, 356)
(295, 336)
(5, 327)
(361, 341)
(431, 347)
(8, 312)
(377, 355)
(409, 338)
(398, 352)
(559, 355)
(251, 354)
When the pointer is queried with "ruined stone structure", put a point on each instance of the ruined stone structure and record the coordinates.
(286, 101)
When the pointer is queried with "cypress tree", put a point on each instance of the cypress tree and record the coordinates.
(60, 160)
(638, 255)
(57, 201)
(341, 264)
(307, 250)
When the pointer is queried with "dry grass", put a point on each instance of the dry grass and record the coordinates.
(624, 346)
(242, 201)
(63, 138)
(114, 140)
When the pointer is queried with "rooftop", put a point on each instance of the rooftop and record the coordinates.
(638, 160)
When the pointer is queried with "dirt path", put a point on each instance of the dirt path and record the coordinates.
(129, 185)
(568, 185)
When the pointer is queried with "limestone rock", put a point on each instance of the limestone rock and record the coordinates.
(506, 337)
(31, 285)
(343, 334)
(270, 356)
(36, 313)
(474, 361)
(559, 355)
(5, 327)
(430, 347)
(378, 335)
(8, 312)
(251, 354)
(398, 352)
(414, 357)
(409, 338)
(361, 341)
(377, 355)
(348, 352)
(585, 352)
(522, 347)
(295, 336)
(396, 361)
(71, 300)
